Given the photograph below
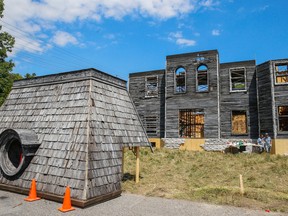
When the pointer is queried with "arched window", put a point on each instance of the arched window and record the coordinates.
(180, 80)
(202, 79)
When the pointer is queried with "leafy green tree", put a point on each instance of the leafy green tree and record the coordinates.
(6, 45)
(28, 75)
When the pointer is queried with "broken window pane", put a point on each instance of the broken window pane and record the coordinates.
(191, 123)
(239, 122)
(283, 118)
(281, 72)
(237, 79)
(180, 80)
(202, 78)
(151, 89)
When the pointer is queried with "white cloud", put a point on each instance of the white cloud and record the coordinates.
(185, 42)
(37, 17)
(62, 38)
(178, 38)
(209, 3)
(215, 32)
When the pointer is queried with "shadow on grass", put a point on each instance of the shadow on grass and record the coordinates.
(129, 177)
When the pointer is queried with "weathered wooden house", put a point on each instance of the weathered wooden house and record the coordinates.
(197, 102)
(68, 129)
(272, 82)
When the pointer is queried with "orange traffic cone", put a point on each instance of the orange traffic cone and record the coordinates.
(66, 202)
(32, 194)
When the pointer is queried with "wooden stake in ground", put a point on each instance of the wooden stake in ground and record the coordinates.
(241, 185)
(137, 165)
(123, 160)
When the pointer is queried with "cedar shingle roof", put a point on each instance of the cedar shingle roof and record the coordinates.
(82, 120)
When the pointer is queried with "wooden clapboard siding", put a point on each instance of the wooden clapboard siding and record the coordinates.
(82, 120)
(265, 97)
(279, 94)
(191, 99)
(149, 106)
(238, 101)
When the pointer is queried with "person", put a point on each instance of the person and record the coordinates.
(260, 142)
(267, 143)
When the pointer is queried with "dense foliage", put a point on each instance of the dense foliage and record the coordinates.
(6, 45)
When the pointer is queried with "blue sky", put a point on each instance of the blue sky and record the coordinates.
(124, 36)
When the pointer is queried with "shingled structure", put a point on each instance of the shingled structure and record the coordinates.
(68, 129)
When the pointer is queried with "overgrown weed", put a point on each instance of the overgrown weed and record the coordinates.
(211, 177)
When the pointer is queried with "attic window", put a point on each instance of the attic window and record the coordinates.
(180, 80)
(283, 118)
(281, 73)
(237, 79)
(191, 123)
(151, 88)
(202, 79)
(239, 122)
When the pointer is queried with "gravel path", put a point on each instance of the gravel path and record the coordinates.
(12, 204)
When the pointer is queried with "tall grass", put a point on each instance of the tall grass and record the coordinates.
(211, 177)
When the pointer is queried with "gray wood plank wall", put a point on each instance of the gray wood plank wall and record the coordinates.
(149, 106)
(238, 100)
(192, 99)
(264, 85)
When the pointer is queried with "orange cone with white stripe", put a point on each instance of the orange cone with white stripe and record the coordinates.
(66, 202)
(32, 194)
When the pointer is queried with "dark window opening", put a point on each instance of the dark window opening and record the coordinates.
(15, 153)
(151, 88)
(153, 144)
(281, 73)
(239, 122)
(150, 123)
(283, 118)
(180, 80)
(191, 123)
(202, 78)
(237, 79)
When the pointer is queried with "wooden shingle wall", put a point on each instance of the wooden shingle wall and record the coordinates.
(82, 120)
(208, 101)
(58, 115)
(149, 106)
(238, 100)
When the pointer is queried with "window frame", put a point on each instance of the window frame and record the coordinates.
(246, 125)
(175, 80)
(230, 79)
(197, 78)
(151, 121)
(146, 88)
(275, 73)
(278, 122)
(192, 112)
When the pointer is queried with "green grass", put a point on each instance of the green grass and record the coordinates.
(211, 177)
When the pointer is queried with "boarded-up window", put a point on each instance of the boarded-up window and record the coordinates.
(283, 118)
(150, 123)
(180, 80)
(281, 73)
(237, 79)
(151, 88)
(191, 123)
(239, 122)
(202, 78)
